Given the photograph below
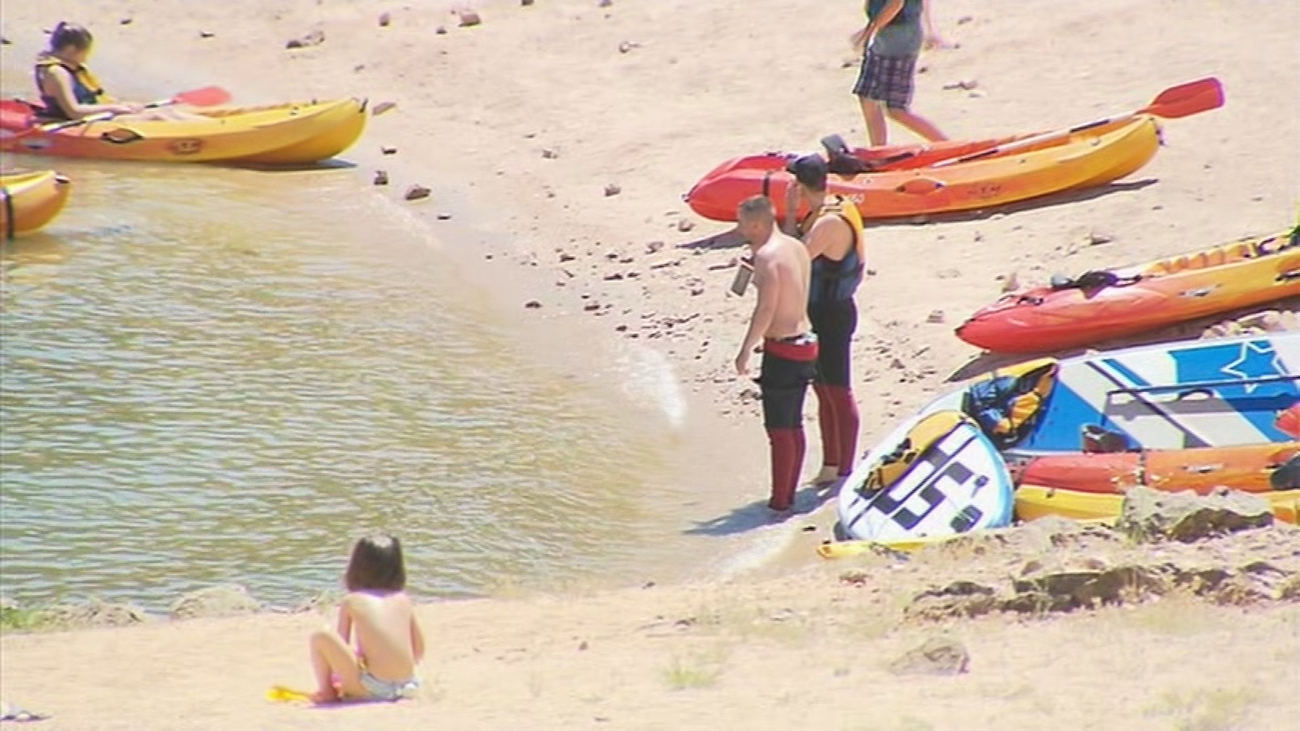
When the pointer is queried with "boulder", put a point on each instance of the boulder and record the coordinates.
(937, 656)
(95, 613)
(228, 600)
(1152, 515)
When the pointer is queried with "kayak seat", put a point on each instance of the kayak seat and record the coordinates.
(1218, 256)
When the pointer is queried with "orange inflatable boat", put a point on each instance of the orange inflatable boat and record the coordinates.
(1109, 304)
(1084, 159)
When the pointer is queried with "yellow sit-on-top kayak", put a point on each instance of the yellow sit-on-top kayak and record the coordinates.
(28, 201)
(280, 134)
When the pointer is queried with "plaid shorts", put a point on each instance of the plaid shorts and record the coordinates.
(887, 79)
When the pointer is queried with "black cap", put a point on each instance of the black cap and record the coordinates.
(809, 170)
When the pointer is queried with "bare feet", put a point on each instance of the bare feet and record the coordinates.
(829, 475)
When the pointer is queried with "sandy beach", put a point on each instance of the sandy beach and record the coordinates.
(519, 125)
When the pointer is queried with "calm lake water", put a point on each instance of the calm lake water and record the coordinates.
(213, 375)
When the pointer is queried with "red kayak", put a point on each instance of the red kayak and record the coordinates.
(1101, 305)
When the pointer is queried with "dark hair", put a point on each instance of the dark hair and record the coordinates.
(68, 34)
(376, 564)
(810, 171)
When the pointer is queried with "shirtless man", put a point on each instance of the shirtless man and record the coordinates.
(780, 319)
(832, 231)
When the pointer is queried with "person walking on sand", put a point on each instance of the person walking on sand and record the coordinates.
(892, 40)
(832, 232)
(780, 320)
(389, 641)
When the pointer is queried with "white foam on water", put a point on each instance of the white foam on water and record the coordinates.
(649, 377)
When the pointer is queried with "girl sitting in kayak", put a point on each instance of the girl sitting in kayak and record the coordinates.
(68, 89)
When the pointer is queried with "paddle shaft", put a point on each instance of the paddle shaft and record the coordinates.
(1176, 101)
(96, 117)
(207, 96)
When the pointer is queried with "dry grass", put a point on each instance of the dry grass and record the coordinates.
(1214, 709)
(696, 670)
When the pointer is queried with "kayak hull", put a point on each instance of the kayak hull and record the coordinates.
(29, 201)
(1086, 159)
(1250, 468)
(1034, 502)
(281, 134)
(1239, 274)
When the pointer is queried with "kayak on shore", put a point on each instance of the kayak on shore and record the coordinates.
(277, 134)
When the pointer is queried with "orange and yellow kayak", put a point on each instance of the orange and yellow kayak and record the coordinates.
(1115, 303)
(1251, 468)
(28, 201)
(1034, 502)
(1084, 159)
(296, 133)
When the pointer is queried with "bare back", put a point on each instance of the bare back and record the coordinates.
(783, 262)
(385, 632)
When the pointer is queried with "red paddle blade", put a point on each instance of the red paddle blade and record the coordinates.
(208, 96)
(1187, 99)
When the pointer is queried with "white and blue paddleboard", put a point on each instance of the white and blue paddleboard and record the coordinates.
(1181, 395)
(944, 477)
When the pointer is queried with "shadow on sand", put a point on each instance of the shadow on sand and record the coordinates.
(729, 239)
(331, 164)
(758, 515)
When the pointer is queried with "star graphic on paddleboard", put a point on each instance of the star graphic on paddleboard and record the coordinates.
(1256, 360)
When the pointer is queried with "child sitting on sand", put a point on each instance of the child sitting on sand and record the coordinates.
(388, 638)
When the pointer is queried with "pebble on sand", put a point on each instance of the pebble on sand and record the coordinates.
(382, 107)
(314, 38)
(387, 150)
(381, 177)
(384, 20)
(612, 189)
(206, 34)
(1096, 238)
(533, 305)
(416, 192)
(468, 18)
